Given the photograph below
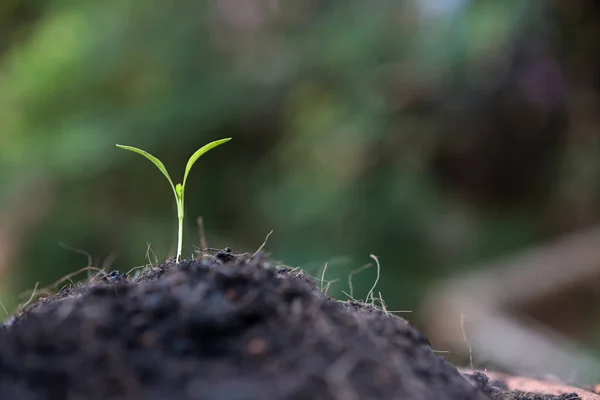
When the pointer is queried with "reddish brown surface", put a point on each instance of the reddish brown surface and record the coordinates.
(524, 384)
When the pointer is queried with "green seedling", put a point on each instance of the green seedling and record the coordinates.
(178, 190)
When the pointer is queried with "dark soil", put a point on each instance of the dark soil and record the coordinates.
(226, 327)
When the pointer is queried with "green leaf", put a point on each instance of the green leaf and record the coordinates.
(199, 153)
(154, 160)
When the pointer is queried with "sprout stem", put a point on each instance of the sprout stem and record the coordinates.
(180, 239)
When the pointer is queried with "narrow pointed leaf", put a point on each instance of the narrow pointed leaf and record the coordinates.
(199, 153)
(154, 160)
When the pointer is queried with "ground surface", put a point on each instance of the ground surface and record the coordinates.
(223, 328)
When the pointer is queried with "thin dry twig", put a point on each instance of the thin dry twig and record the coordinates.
(323, 275)
(70, 283)
(201, 234)
(5, 311)
(61, 280)
(147, 256)
(22, 306)
(399, 311)
(328, 285)
(462, 328)
(76, 250)
(153, 255)
(370, 294)
(384, 307)
(262, 245)
(90, 260)
(138, 267)
(350, 297)
(382, 303)
(292, 269)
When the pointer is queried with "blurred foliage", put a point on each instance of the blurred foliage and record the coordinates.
(432, 133)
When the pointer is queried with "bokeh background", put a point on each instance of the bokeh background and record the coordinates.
(436, 134)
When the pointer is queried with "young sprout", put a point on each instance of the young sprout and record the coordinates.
(178, 190)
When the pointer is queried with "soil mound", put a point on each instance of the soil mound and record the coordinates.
(223, 328)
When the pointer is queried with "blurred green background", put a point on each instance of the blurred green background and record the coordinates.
(432, 133)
